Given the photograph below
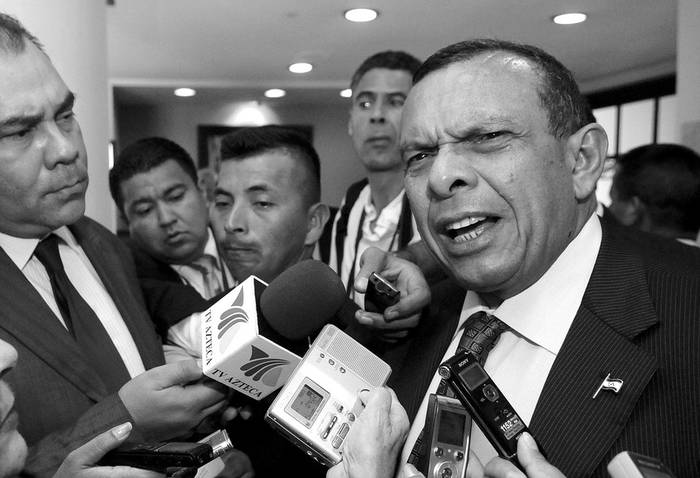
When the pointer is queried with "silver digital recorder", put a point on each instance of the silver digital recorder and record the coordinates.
(320, 402)
(447, 432)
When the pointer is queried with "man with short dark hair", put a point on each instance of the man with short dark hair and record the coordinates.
(584, 324)
(656, 188)
(374, 211)
(267, 213)
(89, 358)
(154, 184)
(266, 217)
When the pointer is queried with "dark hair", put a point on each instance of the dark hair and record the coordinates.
(666, 178)
(247, 142)
(390, 59)
(567, 109)
(142, 156)
(13, 35)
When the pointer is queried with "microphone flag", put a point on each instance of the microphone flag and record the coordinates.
(233, 350)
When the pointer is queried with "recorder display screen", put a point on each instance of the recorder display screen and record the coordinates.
(306, 402)
(451, 429)
(473, 376)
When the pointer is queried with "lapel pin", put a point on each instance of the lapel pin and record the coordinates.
(612, 384)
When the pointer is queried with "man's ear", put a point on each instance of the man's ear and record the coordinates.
(586, 152)
(630, 212)
(316, 219)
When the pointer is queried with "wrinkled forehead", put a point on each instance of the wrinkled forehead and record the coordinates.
(489, 86)
(28, 82)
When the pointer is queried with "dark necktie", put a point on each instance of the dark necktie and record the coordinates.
(481, 331)
(81, 321)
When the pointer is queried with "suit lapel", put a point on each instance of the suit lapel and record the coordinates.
(575, 430)
(123, 292)
(30, 320)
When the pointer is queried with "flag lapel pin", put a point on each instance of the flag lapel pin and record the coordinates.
(612, 384)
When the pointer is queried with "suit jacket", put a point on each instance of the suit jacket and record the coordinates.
(61, 401)
(639, 321)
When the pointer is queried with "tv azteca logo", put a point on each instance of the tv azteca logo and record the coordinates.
(262, 367)
(230, 317)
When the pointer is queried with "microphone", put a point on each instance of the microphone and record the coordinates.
(302, 299)
(250, 336)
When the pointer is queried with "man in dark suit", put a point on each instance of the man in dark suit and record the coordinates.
(154, 185)
(598, 354)
(56, 262)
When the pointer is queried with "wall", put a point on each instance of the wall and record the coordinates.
(339, 166)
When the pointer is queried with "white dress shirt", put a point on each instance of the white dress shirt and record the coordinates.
(539, 319)
(378, 230)
(86, 281)
(193, 276)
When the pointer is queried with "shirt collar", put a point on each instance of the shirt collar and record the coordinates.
(543, 312)
(21, 249)
(210, 248)
(391, 211)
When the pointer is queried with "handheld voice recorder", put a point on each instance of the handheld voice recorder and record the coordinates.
(485, 403)
(447, 430)
(320, 402)
(380, 294)
(159, 456)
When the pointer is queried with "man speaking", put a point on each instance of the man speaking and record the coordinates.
(502, 156)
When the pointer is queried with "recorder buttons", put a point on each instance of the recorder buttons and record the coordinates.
(438, 451)
(459, 456)
(490, 392)
(444, 471)
(328, 429)
(340, 436)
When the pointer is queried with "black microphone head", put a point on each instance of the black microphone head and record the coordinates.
(302, 299)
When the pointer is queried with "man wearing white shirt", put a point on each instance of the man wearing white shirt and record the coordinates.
(154, 184)
(502, 155)
(55, 262)
(374, 211)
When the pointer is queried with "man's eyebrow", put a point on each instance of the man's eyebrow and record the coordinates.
(27, 121)
(258, 188)
(222, 192)
(21, 121)
(67, 103)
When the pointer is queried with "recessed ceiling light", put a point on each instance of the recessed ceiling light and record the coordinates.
(185, 92)
(301, 67)
(570, 18)
(346, 93)
(275, 93)
(360, 15)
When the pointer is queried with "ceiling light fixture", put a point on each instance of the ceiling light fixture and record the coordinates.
(346, 93)
(185, 92)
(569, 18)
(360, 15)
(301, 67)
(275, 93)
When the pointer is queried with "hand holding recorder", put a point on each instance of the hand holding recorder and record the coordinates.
(406, 277)
(374, 443)
(170, 400)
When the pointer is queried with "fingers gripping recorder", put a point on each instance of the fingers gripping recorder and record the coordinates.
(321, 400)
(485, 403)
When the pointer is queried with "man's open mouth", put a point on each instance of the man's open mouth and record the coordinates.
(470, 228)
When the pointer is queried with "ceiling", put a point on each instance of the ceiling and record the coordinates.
(234, 49)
